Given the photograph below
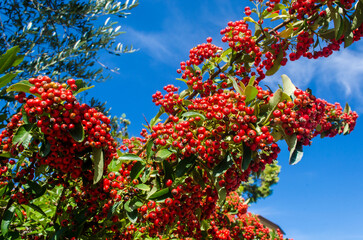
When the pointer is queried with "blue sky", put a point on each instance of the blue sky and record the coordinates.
(319, 198)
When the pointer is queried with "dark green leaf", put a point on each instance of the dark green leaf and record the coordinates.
(222, 194)
(357, 16)
(7, 218)
(137, 170)
(77, 132)
(23, 135)
(6, 155)
(247, 157)
(98, 161)
(296, 153)
(145, 177)
(184, 165)
(130, 157)
(198, 178)
(276, 65)
(168, 170)
(113, 209)
(223, 166)
(44, 149)
(36, 188)
(132, 216)
(160, 193)
(37, 208)
(148, 149)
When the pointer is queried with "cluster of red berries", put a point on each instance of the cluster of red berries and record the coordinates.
(203, 51)
(55, 113)
(169, 100)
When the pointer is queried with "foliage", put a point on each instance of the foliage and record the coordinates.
(64, 176)
(62, 39)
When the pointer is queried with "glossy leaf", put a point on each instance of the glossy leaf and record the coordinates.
(37, 208)
(156, 119)
(184, 165)
(223, 166)
(251, 93)
(22, 86)
(7, 60)
(130, 157)
(287, 85)
(163, 154)
(276, 65)
(222, 194)
(347, 108)
(143, 187)
(77, 132)
(247, 157)
(193, 114)
(296, 153)
(4, 80)
(160, 193)
(7, 218)
(23, 135)
(137, 170)
(98, 161)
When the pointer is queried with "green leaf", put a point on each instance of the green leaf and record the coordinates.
(6, 155)
(130, 157)
(251, 93)
(77, 132)
(82, 90)
(145, 177)
(163, 154)
(251, 82)
(247, 157)
(132, 216)
(276, 65)
(22, 86)
(168, 170)
(160, 193)
(148, 149)
(7, 60)
(4, 80)
(288, 86)
(222, 194)
(137, 170)
(296, 153)
(290, 140)
(286, 33)
(143, 187)
(36, 188)
(346, 129)
(223, 166)
(198, 178)
(113, 209)
(346, 108)
(193, 114)
(44, 149)
(5, 222)
(23, 135)
(156, 119)
(237, 87)
(38, 209)
(98, 161)
(357, 16)
(184, 165)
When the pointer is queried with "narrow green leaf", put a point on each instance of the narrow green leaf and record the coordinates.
(130, 157)
(223, 166)
(296, 153)
(237, 87)
(77, 132)
(145, 177)
(7, 218)
(357, 16)
(247, 157)
(82, 90)
(98, 161)
(143, 187)
(155, 120)
(193, 114)
(137, 170)
(222, 194)
(23, 135)
(132, 216)
(38, 209)
(346, 108)
(44, 149)
(276, 65)
(160, 193)
(184, 165)
(346, 129)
